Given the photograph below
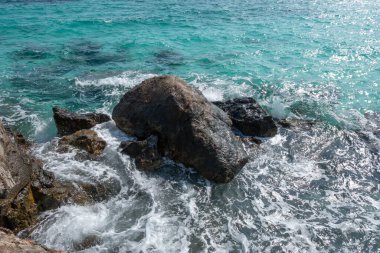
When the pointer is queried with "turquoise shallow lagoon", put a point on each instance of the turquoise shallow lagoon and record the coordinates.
(305, 190)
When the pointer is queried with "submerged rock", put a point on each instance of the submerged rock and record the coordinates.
(249, 117)
(144, 152)
(69, 122)
(87, 140)
(91, 53)
(9, 243)
(190, 129)
(168, 57)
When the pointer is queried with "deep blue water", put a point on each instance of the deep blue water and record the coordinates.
(305, 190)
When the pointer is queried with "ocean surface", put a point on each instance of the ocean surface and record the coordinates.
(311, 188)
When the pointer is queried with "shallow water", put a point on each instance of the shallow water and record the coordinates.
(311, 188)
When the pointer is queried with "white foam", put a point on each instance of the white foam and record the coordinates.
(71, 224)
(125, 79)
(213, 94)
(216, 89)
(67, 167)
(273, 201)
(154, 213)
(21, 115)
(278, 108)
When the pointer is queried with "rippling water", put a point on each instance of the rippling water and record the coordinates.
(311, 188)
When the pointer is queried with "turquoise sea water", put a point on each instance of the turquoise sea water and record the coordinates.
(305, 190)
(324, 54)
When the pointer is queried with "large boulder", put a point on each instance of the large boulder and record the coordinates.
(190, 129)
(87, 140)
(69, 122)
(249, 117)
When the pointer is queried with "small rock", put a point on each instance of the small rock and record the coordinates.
(69, 122)
(85, 139)
(249, 117)
(144, 152)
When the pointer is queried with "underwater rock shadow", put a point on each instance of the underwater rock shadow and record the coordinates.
(164, 59)
(31, 53)
(90, 53)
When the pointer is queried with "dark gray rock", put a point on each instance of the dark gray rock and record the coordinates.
(144, 152)
(69, 122)
(190, 129)
(249, 117)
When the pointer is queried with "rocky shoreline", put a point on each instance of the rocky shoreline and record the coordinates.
(9, 243)
(27, 189)
(167, 117)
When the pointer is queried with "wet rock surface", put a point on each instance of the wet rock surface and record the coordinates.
(27, 189)
(144, 152)
(190, 129)
(18, 169)
(9, 243)
(249, 117)
(87, 140)
(69, 122)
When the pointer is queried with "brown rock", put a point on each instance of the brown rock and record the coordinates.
(69, 122)
(26, 189)
(17, 171)
(190, 129)
(9, 243)
(85, 139)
